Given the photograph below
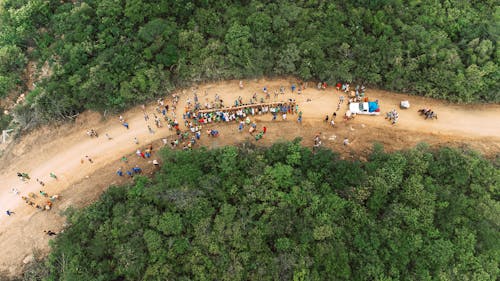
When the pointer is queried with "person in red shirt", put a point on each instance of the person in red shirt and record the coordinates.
(338, 86)
(264, 130)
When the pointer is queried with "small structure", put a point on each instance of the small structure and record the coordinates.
(404, 104)
(5, 135)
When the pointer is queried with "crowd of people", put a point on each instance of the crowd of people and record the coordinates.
(197, 113)
(133, 170)
(41, 202)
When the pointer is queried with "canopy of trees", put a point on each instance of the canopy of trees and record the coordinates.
(109, 54)
(284, 213)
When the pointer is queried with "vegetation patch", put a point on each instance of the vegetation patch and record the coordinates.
(111, 54)
(285, 213)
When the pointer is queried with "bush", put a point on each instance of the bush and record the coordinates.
(261, 216)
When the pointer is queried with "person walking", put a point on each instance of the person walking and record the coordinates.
(90, 159)
(135, 140)
(9, 213)
(346, 141)
(326, 119)
(119, 172)
(150, 130)
(125, 124)
(52, 175)
(264, 130)
(108, 136)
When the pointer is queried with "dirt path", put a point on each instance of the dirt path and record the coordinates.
(60, 149)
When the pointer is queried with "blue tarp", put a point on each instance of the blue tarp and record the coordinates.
(372, 106)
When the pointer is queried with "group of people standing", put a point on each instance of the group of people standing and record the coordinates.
(32, 199)
(392, 116)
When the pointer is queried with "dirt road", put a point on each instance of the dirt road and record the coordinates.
(61, 149)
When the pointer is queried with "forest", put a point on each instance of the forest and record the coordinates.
(111, 54)
(286, 213)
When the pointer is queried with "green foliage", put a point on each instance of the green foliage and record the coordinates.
(239, 48)
(169, 224)
(12, 61)
(111, 54)
(283, 213)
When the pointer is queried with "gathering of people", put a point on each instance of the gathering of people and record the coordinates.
(184, 130)
(41, 202)
(197, 114)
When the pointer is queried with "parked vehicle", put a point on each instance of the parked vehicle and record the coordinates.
(367, 108)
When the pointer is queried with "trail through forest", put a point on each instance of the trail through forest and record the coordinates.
(60, 149)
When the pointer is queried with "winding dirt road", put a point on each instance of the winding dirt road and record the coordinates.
(60, 149)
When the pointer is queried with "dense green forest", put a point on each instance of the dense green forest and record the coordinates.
(285, 213)
(110, 54)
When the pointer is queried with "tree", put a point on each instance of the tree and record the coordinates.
(239, 48)
(207, 214)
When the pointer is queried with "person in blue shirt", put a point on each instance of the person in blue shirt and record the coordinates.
(137, 170)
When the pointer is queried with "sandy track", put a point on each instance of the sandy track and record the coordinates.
(60, 149)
